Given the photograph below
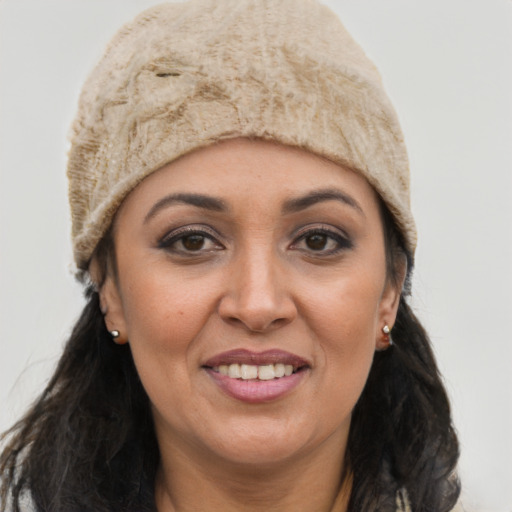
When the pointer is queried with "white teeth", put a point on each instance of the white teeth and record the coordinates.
(266, 372)
(279, 370)
(234, 371)
(250, 371)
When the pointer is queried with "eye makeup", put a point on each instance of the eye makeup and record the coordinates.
(321, 240)
(191, 240)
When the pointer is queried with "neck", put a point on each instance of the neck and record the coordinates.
(313, 481)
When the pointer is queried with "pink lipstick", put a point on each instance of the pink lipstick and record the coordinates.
(243, 356)
(257, 377)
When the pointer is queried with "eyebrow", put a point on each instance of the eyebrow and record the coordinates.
(318, 196)
(198, 200)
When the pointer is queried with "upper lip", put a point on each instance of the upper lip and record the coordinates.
(244, 356)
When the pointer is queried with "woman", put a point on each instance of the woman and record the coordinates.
(240, 205)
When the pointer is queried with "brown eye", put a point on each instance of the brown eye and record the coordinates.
(321, 242)
(317, 242)
(193, 242)
(189, 241)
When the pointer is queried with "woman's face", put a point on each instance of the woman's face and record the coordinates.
(238, 263)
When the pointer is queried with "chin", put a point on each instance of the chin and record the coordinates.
(263, 442)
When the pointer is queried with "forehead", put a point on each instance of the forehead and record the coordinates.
(242, 169)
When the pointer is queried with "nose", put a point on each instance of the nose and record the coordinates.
(258, 295)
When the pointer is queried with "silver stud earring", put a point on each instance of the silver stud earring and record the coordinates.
(115, 334)
(387, 338)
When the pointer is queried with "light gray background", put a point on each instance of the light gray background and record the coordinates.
(447, 66)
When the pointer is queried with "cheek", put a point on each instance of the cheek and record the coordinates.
(163, 320)
(164, 316)
(346, 308)
(162, 307)
(344, 315)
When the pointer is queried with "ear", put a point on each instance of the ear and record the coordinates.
(112, 308)
(111, 304)
(388, 307)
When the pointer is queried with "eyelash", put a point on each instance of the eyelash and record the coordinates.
(170, 240)
(342, 241)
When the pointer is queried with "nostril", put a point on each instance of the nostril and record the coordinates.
(257, 325)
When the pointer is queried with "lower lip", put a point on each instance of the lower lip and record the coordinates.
(257, 391)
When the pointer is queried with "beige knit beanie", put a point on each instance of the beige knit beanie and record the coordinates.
(182, 76)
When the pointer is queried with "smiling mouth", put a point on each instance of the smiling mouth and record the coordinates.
(256, 372)
(257, 377)
(257, 366)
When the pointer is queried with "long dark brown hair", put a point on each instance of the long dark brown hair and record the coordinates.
(88, 443)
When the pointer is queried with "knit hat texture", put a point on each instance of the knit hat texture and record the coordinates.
(184, 75)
